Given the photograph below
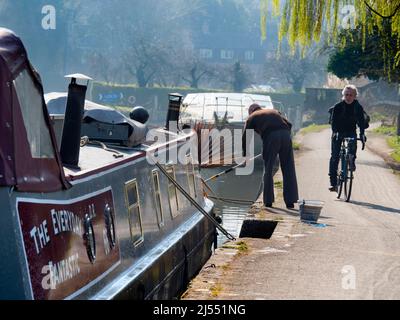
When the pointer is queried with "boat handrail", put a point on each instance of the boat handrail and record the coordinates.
(191, 200)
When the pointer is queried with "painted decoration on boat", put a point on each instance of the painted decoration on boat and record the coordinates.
(69, 244)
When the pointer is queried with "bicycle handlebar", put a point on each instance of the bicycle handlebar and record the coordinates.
(363, 143)
(351, 138)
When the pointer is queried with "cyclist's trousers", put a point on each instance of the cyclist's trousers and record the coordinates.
(335, 152)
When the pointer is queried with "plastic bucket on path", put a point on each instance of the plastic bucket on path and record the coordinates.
(310, 210)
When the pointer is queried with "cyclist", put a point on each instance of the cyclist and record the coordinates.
(345, 116)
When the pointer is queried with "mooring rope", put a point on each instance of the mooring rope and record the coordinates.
(228, 200)
(85, 141)
(221, 199)
(231, 169)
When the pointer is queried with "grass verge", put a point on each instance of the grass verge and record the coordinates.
(376, 116)
(241, 246)
(314, 128)
(386, 130)
(296, 145)
(394, 142)
(278, 184)
(216, 290)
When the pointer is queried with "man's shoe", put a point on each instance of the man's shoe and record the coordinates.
(290, 206)
(268, 205)
(333, 188)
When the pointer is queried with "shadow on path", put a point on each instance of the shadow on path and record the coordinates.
(294, 213)
(373, 163)
(375, 206)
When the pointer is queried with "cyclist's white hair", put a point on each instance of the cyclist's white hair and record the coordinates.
(351, 87)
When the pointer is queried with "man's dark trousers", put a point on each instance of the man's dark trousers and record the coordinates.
(279, 143)
(335, 154)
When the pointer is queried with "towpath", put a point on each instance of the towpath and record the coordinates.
(353, 254)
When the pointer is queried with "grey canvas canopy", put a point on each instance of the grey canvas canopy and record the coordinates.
(29, 160)
(56, 105)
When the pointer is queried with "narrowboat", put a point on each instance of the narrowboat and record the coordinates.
(221, 111)
(219, 119)
(84, 213)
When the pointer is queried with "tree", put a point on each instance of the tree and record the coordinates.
(190, 67)
(196, 72)
(143, 36)
(47, 48)
(240, 77)
(144, 59)
(101, 67)
(305, 21)
(352, 60)
(296, 70)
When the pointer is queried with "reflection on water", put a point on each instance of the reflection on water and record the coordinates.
(234, 188)
(232, 219)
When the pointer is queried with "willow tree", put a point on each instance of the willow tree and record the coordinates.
(306, 21)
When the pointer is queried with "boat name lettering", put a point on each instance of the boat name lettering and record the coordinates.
(56, 273)
(66, 221)
(40, 235)
(62, 221)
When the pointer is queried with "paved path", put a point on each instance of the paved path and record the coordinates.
(356, 256)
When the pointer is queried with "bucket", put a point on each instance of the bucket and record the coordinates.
(310, 210)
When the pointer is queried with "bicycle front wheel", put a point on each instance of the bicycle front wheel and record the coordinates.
(340, 179)
(349, 182)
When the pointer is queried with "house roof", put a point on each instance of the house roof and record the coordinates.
(230, 41)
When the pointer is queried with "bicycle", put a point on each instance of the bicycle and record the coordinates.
(346, 172)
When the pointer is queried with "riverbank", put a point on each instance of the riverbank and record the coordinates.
(281, 227)
(383, 142)
(222, 277)
(303, 261)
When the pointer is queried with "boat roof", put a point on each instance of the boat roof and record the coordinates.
(29, 156)
(207, 106)
(223, 98)
(57, 101)
(95, 160)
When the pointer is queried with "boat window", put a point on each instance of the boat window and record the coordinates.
(134, 212)
(172, 192)
(157, 198)
(191, 176)
(30, 100)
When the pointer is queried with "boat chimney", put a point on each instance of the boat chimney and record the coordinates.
(174, 107)
(71, 136)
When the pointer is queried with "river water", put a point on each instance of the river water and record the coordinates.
(231, 188)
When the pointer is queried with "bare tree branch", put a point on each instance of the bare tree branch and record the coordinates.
(379, 14)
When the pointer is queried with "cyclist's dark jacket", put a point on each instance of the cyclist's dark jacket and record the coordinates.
(345, 117)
